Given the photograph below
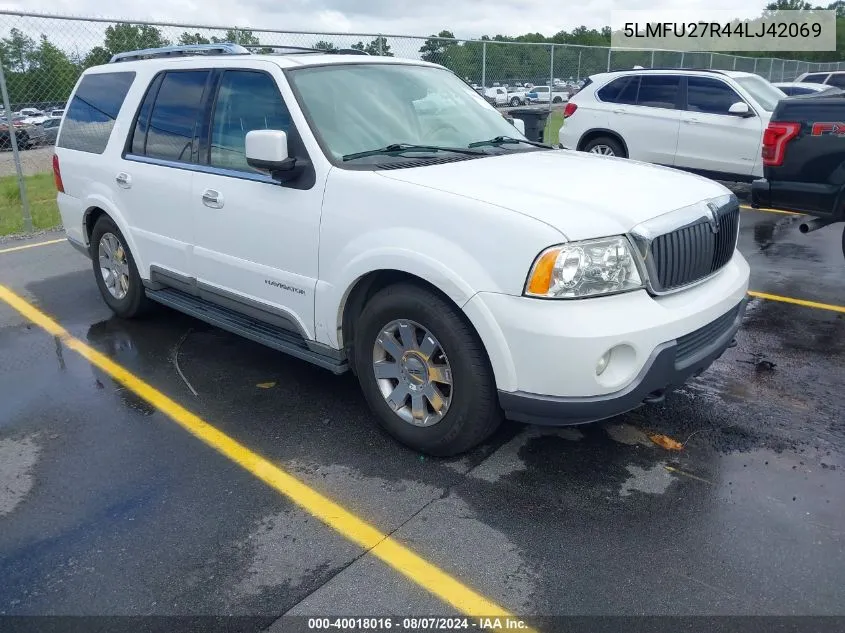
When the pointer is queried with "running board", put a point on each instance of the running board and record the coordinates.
(248, 327)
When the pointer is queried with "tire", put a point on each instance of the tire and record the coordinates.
(843, 242)
(606, 146)
(125, 303)
(472, 411)
(514, 102)
(557, 100)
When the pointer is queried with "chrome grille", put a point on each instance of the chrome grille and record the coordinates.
(695, 251)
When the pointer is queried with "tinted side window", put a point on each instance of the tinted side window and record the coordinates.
(710, 96)
(837, 80)
(659, 91)
(622, 90)
(142, 121)
(90, 117)
(815, 78)
(175, 115)
(246, 101)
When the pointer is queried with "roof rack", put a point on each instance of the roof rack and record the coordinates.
(674, 68)
(302, 49)
(224, 48)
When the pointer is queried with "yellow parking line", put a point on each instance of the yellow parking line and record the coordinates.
(26, 246)
(798, 302)
(384, 547)
(750, 208)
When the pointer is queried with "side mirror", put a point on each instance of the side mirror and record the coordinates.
(519, 124)
(267, 150)
(740, 109)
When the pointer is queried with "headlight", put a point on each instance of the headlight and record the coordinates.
(584, 269)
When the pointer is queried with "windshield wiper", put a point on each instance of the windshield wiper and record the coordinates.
(406, 147)
(503, 140)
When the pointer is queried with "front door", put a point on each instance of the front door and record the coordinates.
(712, 139)
(256, 240)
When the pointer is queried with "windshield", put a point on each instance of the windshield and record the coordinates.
(764, 93)
(362, 107)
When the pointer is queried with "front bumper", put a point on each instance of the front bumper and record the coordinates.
(669, 366)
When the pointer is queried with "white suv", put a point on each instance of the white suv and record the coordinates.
(834, 78)
(708, 122)
(305, 202)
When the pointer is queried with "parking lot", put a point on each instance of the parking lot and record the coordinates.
(164, 467)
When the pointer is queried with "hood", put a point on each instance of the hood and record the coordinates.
(581, 195)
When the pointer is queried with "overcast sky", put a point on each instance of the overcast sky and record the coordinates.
(466, 18)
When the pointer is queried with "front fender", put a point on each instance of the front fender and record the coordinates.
(331, 299)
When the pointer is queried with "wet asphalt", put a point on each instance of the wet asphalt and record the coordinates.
(108, 507)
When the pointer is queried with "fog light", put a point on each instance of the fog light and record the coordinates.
(602, 364)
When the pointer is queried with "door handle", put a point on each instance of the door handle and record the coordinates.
(691, 121)
(619, 112)
(212, 199)
(123, 180)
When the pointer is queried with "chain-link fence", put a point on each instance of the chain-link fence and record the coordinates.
(42, 57)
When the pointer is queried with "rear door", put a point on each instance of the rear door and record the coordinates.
(154, 179)
(644, 111)
(712, 139)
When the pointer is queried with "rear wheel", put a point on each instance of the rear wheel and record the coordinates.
(605, 146)
(115, 271)
(557, 100)
(424, 372)
(514, 102)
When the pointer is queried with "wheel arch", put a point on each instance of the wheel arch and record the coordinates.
(595, 133)
(98, 206)
(491, 337)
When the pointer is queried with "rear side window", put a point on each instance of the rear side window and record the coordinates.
(90, 117)
(659, 91)
(837, 80)
(169, 130)
(621, 90)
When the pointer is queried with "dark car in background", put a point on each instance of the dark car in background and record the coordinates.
(804, 159)
(51, 130)
(28, 135)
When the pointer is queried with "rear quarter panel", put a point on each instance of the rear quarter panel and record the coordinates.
(591, 114)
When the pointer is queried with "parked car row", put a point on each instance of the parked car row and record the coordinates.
(513, 96)
(33, 127)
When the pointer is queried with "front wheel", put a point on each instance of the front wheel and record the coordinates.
(424, 372)
(514, 102)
